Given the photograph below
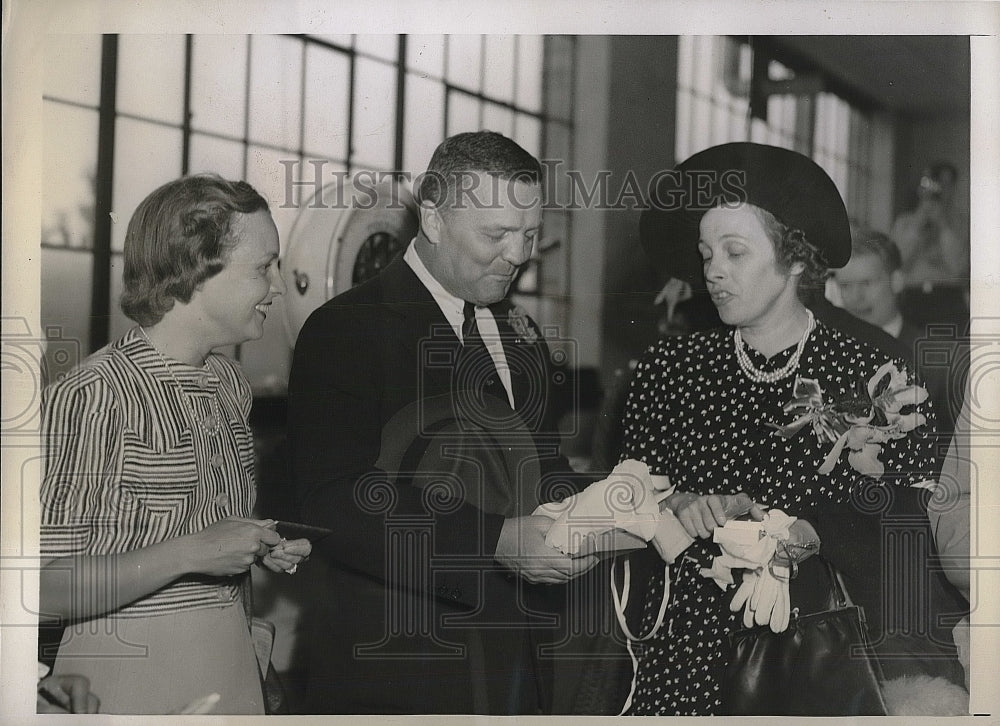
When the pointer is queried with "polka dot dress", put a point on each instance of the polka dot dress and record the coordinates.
(692, 414)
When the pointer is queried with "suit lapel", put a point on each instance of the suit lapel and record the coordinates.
(423, 343)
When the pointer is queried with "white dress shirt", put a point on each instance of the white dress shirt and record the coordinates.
(894, 327)
(453, 309)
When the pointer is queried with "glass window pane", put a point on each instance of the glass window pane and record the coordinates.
(682, 146)
(425, 54)
(758, 131)
(221, 156)
(720, 123)
(119, 323)
(558, 139)
(373, 133)
(146, 156)
(424, 126)
(151, 76)
(498, 68)
(528, 133)
(73, 68)
(219, 84)
(499, 119)
(69, 167)
(685, 61)
(700, 129)
(275, 85)
(65, 278)
(268, 176)
(328, 78)
(738, 121)
(465, 58)
(559, 81)
(344, 41)
(704, 53)
(529, 71)
(463, 113)
(380, 46)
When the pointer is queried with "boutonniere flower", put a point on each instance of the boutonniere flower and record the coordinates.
(517, 318)
(860, 421)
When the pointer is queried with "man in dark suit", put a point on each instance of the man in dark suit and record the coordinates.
(869, 286)
(439, 584)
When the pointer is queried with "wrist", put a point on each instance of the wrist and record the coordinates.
(184, 553)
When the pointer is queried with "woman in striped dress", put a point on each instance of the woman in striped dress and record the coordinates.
(148, 484)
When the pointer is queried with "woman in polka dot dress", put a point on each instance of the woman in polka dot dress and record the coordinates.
(702, 409)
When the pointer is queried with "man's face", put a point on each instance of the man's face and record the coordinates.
(483, 236)
(867, 290)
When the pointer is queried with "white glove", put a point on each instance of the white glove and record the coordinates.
(742, 596)
(770, 601)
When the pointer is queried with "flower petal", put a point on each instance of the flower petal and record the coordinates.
(831, 459)
(907, 423)
(907, 396)
(866, 461)
(886, 368)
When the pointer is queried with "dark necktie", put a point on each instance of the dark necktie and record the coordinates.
(476, 369)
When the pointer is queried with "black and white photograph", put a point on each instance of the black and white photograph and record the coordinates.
(442, 359)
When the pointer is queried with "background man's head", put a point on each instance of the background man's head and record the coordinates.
(480, 213)
(871, 280)
(937, 183)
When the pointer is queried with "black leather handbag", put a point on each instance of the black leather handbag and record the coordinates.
(822, 665)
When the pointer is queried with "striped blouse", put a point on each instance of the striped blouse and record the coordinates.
(132, 460)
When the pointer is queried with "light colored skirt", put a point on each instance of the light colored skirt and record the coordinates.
(161, 664)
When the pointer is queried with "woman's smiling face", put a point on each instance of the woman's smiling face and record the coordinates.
(235, 302)
(741, 267)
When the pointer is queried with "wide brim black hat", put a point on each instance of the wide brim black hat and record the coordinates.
(792, 187)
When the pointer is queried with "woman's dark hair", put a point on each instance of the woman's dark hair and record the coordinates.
(179, 236)
(791, 246)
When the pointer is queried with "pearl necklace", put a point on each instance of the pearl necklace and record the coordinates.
(211, 425)
(758, 376)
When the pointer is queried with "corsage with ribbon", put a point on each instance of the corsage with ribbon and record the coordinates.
(860, 421)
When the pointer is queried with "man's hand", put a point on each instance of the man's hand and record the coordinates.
(700, 514)
(522, 549)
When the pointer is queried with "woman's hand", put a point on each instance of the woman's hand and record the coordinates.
(66, 693)
(700, 514)
(230, 546)
(286, 555)
(802, 543)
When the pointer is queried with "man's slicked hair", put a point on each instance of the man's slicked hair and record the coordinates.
(180, 236)
(877, 244)
(483, 152)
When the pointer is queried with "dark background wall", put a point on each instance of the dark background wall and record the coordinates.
(641, 139)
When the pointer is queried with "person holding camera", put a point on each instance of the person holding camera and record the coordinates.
(148, 481)
(933, 241)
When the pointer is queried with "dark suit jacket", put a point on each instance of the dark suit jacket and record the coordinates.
(413, 615)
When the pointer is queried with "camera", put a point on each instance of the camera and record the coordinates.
(31, 362)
